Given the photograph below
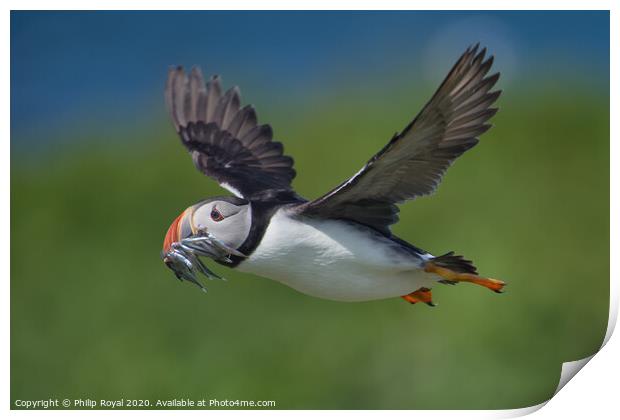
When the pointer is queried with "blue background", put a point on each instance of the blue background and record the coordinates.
(108, 68)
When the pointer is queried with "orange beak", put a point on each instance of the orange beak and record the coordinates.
(173, 233)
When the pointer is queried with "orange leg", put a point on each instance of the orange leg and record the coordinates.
(421, 295)
(446, 273)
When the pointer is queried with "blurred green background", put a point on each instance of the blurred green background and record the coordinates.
(97, 175)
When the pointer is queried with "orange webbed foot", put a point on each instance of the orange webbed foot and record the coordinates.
(423, 294)
(453, 276)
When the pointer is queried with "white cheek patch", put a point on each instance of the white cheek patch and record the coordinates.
(201, 219)
(232, 230)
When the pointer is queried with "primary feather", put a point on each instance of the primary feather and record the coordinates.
(225, 140)
(412, 164)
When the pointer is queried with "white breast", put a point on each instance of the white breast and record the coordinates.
(335, 260)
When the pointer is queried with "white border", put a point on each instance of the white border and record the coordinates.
(592, 394)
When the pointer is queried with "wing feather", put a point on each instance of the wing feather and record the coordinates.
(225, 140)
(413, 163)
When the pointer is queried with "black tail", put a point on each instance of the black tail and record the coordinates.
(455, 263)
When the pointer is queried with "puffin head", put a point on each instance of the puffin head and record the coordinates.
(214, 227)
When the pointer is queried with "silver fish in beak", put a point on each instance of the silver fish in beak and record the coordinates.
(183, 249)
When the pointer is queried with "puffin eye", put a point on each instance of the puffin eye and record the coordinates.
(216, 215)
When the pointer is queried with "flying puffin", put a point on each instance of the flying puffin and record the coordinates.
(338, 246)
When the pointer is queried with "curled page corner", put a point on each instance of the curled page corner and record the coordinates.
(520, 412)
(570, 369)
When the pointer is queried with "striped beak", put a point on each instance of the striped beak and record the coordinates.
(173, 234)
(182, 263)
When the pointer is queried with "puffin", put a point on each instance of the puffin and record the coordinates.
(338, 246)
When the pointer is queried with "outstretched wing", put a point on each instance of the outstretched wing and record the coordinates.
(414, 161)
(225, 140)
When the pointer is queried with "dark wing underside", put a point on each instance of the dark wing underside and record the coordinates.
(414, 161)
(225, 140)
